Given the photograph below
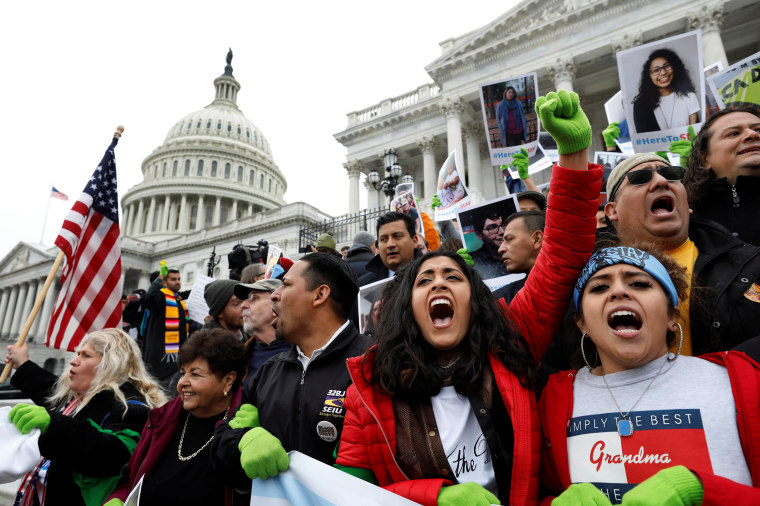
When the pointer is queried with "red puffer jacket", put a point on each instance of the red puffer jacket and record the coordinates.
(369, 432)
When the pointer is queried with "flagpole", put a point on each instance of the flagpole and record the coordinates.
(35, 310)
(44, 223)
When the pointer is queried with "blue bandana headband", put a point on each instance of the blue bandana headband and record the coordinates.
(630, 256)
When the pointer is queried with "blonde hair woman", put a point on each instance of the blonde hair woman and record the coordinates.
(90, 417)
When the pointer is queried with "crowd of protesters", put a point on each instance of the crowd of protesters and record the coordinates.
(621, 368)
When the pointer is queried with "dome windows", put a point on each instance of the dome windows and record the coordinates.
(229, 127)
(239, 130)
(213, 168)
(240, 174)
(250, 178)
(187, 167)
(193, 217)
(223, 216)
(200, 167)
(198, 126)
(219, 125)
(208, 125)
(174, 168)
(226, 171)
(261, 181)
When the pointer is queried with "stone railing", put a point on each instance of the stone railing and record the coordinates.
(391, 105)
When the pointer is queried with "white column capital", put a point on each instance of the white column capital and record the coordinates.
(627, 41)
(353, 168)
(452, 107)
(708, 18)
(473, 130)
(426, 144)
(562, 72)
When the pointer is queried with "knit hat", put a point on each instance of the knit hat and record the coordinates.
(622, 168)
(286, 263)
(363, 238)
(536, 197)
(326, 241)
(218, 294)
(242, 290)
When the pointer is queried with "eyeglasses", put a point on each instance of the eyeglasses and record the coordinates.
(659, 70)
(643, 176)
(492, 228)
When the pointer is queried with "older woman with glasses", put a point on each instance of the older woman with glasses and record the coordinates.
(667, 98)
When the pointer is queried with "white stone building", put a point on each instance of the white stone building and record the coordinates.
(571, 44)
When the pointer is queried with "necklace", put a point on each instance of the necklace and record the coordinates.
(624, 425)
(669, 122)
(182, 439)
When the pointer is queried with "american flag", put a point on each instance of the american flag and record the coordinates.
(58, 194)
(90, 297)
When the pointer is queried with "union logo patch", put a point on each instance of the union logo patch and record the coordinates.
(333, 405)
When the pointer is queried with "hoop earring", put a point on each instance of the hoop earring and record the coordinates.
(583, 351)
(680, 344)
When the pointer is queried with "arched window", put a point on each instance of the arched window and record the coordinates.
(208, 125)
(209, 218)
(223, 216)
(250, 178)
(174, 168)
(229, 127)
(240, 174)
(213, 168)
(239, 131)
(163, 174)
(193, 217)
(189, 125)
(261, 181)
(247, 133)
(219, 125)
(270, 185)
(200, 167)
(187, 167)
(198, 126)
(226, 171)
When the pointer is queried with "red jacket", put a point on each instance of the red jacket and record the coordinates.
(555, 410)
(369, 432)
(162, 424)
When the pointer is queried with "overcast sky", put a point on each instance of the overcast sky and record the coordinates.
(72, 71)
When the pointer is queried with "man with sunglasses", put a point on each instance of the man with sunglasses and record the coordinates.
(647, 202)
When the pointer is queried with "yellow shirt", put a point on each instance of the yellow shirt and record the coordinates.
(685, 255)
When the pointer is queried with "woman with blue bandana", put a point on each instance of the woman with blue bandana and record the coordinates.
(640, 424)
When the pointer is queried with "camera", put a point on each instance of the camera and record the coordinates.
(244, 255)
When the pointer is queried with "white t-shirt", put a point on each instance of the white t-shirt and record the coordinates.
(678, 421)
(674, 110)
(463, 440)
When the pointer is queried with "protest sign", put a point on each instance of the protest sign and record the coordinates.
(452, 192)
(196, 302)
(509, 117)
(616, 114)
(366, 299)
(537, 162)
(739, 84)
(273, 256)
(663, 90)
(711, 103)
(405, 203)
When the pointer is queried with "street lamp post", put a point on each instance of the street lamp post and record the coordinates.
(393, 172)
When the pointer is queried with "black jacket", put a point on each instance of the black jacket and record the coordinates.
(357, 257)
(377, 271)
(725, 270)
(302, 408)
(736, 207)
(71, 443)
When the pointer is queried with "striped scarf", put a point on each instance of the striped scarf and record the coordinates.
(172, 319)
(34, 484)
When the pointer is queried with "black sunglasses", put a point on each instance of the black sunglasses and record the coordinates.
(643, 176)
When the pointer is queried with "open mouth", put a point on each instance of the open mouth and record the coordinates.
(662, 205)
(441, 312)
(624, 321)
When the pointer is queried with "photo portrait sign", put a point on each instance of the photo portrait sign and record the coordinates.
(451, 190)
(739, 84)
(712, 104)
(509, 117)
(537, 162)
(366, 299)
(482, 232)
(663, 86)
(616, 114)
(405, 203)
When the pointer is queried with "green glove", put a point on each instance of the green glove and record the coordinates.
(662, 154)
(466, 494)
(562, 116)
(28, 416)
(520, 162)
(583, 494)
(247, 416)
(262, 454)
(611, 133)
(504, 170)
(467, 258)
(164, 269)
(114, 502)
(436, 202)
(682, 148)
(674, 486)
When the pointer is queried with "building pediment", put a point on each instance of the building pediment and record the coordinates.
(23, 255)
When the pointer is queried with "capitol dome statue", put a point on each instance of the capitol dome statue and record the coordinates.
(215, 166)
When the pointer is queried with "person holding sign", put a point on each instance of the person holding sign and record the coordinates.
(667, 97)
(638, 424)
(441, 411)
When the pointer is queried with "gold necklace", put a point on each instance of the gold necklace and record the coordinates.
(182, 439)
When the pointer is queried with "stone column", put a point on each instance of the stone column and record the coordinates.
(452, 108)
(372, 196)
(250, 209)
(172, 217)
(430, 178)
(200, 219)
(473, 132)
(233, 212)
(143, 280)
(18, 314)
(709, 20)
(31, 296)
(126, 223)
(183, 215)
(10, 310)
(47, 310)
(217, 211)
(164, 226)
(562, 73)
(151, 215)
(4, 305)
(138, 226)
(353, 167)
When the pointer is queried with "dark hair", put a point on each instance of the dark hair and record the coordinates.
(406, 364)
(646, 101)
(392, 216)
(172, 271)
(479, 220)
(504, 95)
(677, 276)
(696, 175)
(220, 348)
(337, 274)
(533, 220)
(153, 276)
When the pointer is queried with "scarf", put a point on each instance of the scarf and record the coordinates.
(172, 322)
(34, 484)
